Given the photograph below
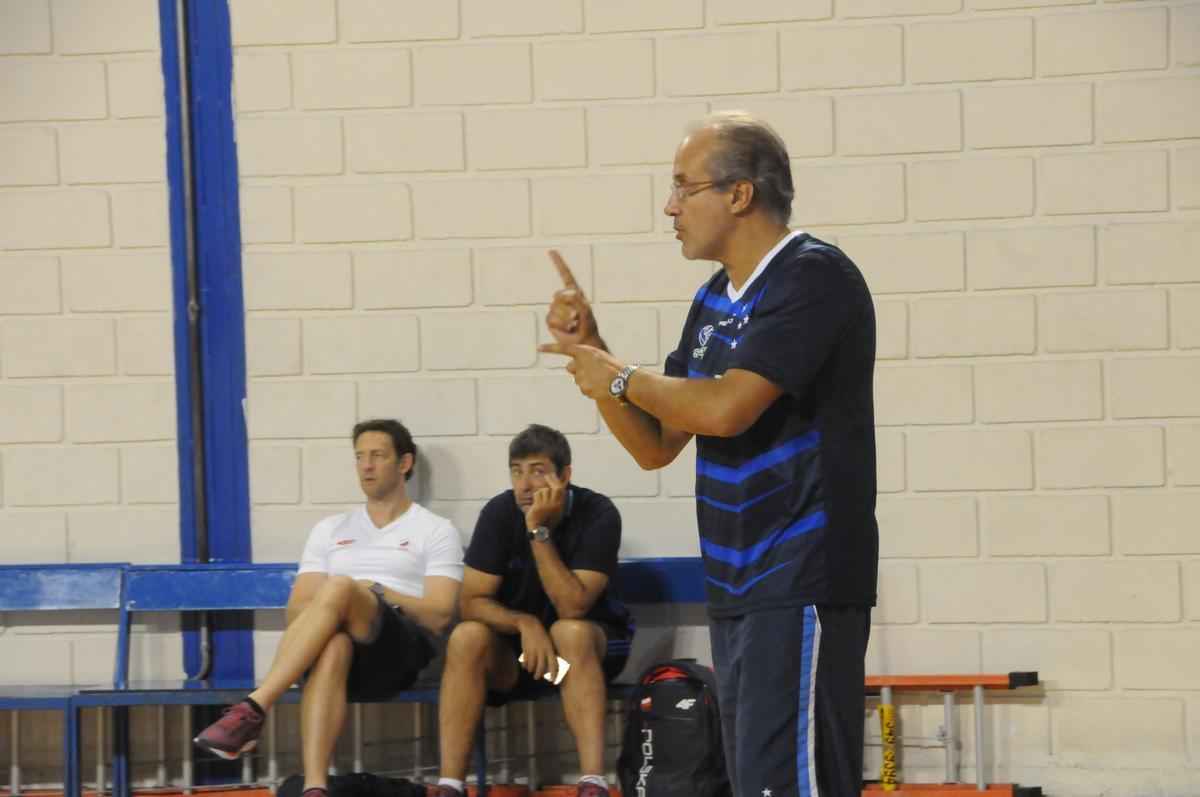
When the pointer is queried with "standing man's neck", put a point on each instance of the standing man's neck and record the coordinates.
(749, 248)
(383, 511)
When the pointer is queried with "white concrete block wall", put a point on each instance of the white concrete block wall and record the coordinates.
(87, 415)
(87, 404)
(1017, 179)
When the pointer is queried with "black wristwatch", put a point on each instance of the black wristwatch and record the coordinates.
(540, 534)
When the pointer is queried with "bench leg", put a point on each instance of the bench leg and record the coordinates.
(120, 764)
(14, 770)
(71, 743)
(480, 755)
(980, 780)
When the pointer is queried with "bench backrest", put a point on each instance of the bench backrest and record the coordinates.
(35, 588)
(214, 587)
(210, 587)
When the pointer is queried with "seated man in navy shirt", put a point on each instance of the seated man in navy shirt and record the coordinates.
(536, 589)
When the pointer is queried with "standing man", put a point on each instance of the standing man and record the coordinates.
(376, 587)
(773, 376)
(536, 590)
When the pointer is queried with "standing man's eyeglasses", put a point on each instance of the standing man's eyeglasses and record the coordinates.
(681, 191)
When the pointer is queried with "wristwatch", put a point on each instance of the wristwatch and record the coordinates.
(378, 589)
(620, 383)
(540, 534)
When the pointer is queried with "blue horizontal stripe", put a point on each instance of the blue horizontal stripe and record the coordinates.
(748, 556)
(694, 374)
(745, 504)
(781, 453)
(732, 590)
(722, 304)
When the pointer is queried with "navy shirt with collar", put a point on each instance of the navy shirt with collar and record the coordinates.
(588, 538)
(786, 510)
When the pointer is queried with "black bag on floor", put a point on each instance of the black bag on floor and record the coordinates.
(356, 784)
(672, 741)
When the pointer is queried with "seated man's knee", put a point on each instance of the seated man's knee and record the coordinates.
(336, 591)
(576, 640)
(469, 644)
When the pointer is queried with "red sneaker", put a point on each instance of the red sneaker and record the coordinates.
(590, 790)
(235, 733)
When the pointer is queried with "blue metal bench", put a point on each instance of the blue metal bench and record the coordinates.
(57, 588)
(223, 587)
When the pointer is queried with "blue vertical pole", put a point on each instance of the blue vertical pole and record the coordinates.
(222, 318)
(210, 357)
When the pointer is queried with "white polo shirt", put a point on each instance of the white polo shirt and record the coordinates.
(400, 555)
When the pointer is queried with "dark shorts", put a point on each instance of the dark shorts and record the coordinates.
(790, 687)
(391, 662)
(616, 653)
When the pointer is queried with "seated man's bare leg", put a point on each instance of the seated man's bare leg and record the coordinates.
(323, 708)
(342, 604)
(475, 660)
(582, 644)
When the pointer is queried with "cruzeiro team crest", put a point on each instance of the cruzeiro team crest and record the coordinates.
(703, 337)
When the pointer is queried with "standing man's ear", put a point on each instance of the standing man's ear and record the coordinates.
(741, 196)
(406, 464)
(564, 475)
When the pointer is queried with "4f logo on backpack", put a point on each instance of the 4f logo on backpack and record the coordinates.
(671, 746)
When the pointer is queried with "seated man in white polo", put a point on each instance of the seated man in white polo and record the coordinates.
(376, 589)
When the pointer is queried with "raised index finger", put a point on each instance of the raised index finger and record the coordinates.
(564, 272)
(569, 349)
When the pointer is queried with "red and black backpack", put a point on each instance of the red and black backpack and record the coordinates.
(672, 741)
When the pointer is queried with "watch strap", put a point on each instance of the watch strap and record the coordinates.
(622, 378)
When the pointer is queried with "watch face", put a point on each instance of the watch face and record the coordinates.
(617, 387)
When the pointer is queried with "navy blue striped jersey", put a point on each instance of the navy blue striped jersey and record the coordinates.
(786, 509)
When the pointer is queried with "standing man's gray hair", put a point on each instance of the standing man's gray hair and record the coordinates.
(750, 149)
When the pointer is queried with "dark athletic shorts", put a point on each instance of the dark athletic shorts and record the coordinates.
(391, 662)
(790, 688)
(616, 653)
